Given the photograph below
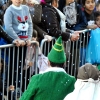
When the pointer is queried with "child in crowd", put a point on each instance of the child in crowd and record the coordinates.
(75, 18)
(93, 48)
(18, 25)
(89, 6)
(97, 18)
(87, 86)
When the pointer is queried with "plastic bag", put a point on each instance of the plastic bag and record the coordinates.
(42, 63)
(93, 48)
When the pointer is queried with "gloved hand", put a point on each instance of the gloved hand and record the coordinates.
(48, 37)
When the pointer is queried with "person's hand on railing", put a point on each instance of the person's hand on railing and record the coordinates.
(34, 38)
(48, 37)
(74, 36)
(28, 42)
(94, 26)
(19, 42)
(22, 42)
(16, 42)
(11, 88)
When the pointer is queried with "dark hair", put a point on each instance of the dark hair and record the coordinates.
(61, 5)
(96, 14)
(83, 2)
(57, 64)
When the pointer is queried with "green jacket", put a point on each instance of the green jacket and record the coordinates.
(51, 85)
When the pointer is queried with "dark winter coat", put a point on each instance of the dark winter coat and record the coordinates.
(50, 22)
(89, 16)
(5, 36)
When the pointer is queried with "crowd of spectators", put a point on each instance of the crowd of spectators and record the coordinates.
(22, 21)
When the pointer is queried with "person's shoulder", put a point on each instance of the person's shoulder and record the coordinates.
(25, 7)
(70, 76)
(36, 75)
(9, 8)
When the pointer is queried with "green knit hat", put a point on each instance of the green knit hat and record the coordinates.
(57, 54)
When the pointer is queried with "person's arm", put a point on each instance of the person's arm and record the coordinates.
(36, 17)
(92, 26)
(31, 89)
(30, 29)
(5, 36)
(40, 32)
(50, 22)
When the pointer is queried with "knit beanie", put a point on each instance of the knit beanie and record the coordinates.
(88, 71)
(57, 54)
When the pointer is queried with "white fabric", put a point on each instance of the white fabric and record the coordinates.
(70, 13)
(54, 69)
(62, 21)
(42, 63)
(91, 22)
(97, 92)
(89, 90)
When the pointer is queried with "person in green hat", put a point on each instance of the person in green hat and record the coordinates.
(54, 83)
